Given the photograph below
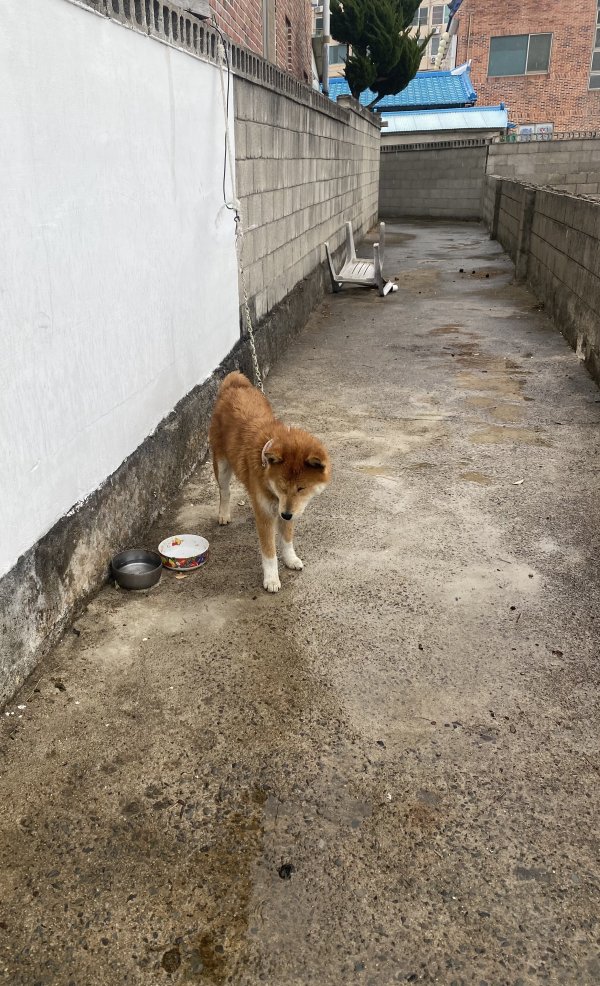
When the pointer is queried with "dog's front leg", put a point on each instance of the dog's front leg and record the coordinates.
(265, 524)
(290, 558)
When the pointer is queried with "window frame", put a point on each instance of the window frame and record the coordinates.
(520, 75)
(445, 14)
(338, 60)
(418, 21)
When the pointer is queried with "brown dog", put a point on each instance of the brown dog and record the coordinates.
(281, 467)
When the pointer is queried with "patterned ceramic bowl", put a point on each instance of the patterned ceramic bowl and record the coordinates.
(181, 552)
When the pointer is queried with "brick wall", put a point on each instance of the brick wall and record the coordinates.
(434, 182)
(560, 97)
(304, 167)
(242, 21)
(554, 239)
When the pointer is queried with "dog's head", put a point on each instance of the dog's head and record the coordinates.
(297, 468)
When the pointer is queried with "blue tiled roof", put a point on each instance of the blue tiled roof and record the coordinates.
(428, 90)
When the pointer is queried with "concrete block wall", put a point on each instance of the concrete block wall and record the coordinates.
(512, 203)
(441, 182)
(488, 199)
(304, 167)
(432, 183)
(564, 268)
(554, 238)
(570, 165)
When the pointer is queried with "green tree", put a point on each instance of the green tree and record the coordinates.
(385, 56)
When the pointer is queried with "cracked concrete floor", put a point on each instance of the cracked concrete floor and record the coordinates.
(388, 772)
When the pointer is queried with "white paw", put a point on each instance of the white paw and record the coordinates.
(224, 519)
(292, 561)
(272, 584)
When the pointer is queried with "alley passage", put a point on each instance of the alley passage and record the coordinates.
(389, 771)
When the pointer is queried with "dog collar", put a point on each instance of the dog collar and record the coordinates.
(263, 454)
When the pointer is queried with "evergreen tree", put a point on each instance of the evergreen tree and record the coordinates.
(384, 55)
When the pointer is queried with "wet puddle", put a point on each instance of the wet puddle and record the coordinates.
(419, 281)
(497, 435)
(507, 413)
(497, 383)
(375, 471)
(445, 330)
(476, 477)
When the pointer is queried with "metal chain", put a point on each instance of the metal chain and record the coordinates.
(239, 244)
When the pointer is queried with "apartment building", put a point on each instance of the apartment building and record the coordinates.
(540, 57)
(431, 18)
(337, 52)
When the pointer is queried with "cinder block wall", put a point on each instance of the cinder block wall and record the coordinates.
(554, 239)
(564, 268)
(509, 219)
(569, 165)
(432, 183)
(304, 167)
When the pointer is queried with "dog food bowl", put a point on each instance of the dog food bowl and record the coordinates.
(182, 552)
(136, 568)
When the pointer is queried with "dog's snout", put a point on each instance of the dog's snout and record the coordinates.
(286, 516)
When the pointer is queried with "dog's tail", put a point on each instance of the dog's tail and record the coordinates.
(234, 379)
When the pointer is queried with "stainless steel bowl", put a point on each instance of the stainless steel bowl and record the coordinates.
(136, 568)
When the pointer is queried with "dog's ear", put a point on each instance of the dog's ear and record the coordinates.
(315, 462)
(270, 454)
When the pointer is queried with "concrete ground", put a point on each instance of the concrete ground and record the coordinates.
(389, 771)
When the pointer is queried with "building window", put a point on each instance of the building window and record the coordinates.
(519, 54)
(439, 15)
(421, 17)
(319, 25)
(595, 69)
(434, 45)
(337, 54)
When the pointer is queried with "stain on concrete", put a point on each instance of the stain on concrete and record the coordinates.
(445, 330)
(496, 434)
(476, 477)
(374, 471)
(419, 281)
(504, 412)
(507, 412)
(481, 402)
(498, 383)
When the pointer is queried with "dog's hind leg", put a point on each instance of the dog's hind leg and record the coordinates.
(290, 558)
(223, 475)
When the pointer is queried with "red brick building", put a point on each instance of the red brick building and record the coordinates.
(279, 30)
(540, 57)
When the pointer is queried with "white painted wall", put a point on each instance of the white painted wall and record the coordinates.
(118, 283)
